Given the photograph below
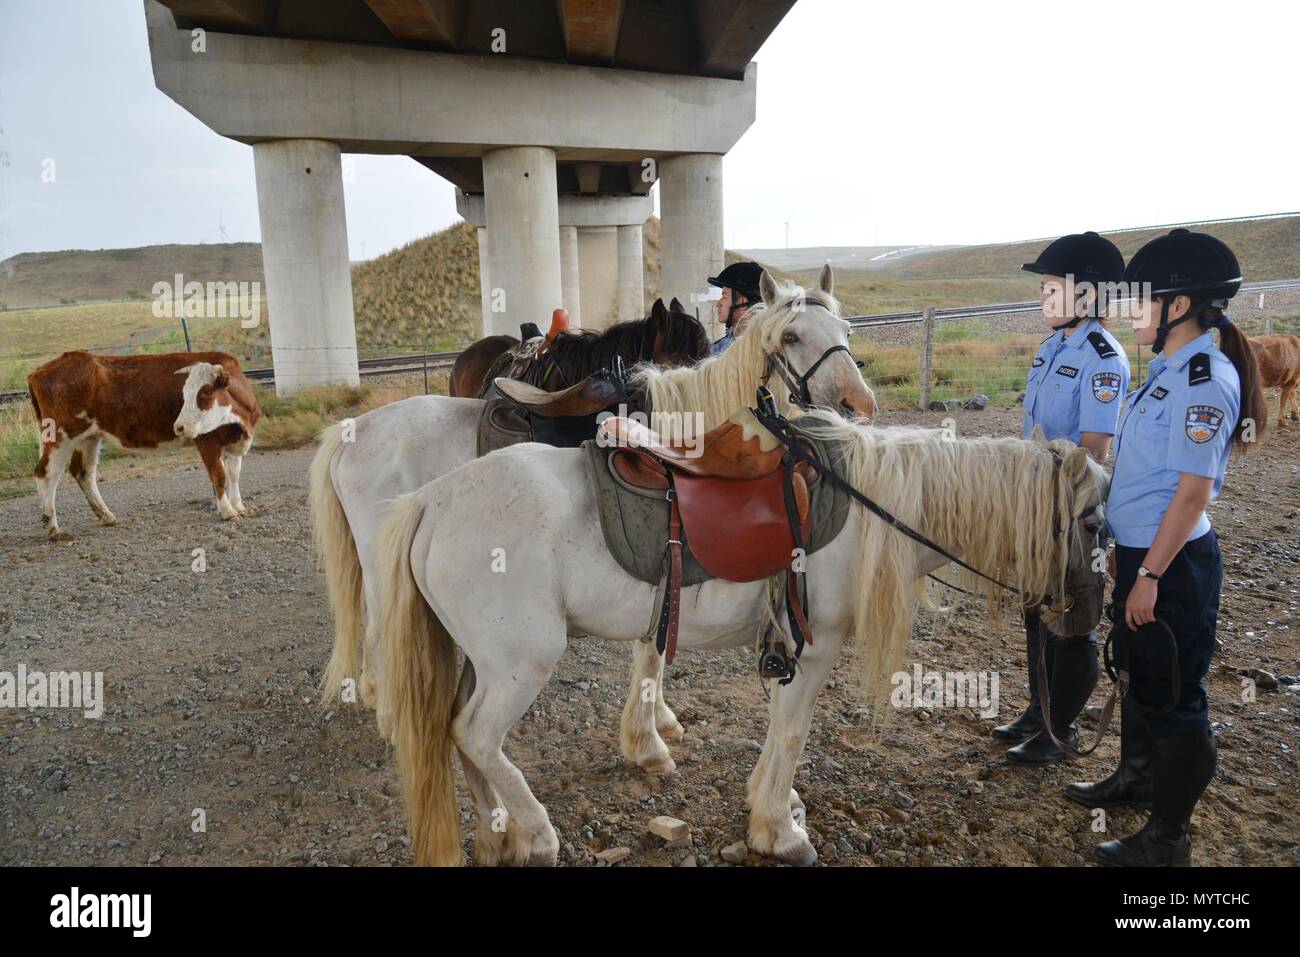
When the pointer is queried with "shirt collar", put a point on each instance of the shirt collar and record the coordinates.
(1077, 340)
(1184, 355)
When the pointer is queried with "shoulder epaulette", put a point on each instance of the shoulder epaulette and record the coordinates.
(1102, 345)
(1198, 369)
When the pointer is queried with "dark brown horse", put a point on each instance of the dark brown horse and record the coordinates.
(669, 336)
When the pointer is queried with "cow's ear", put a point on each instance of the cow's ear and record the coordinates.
(221, 381)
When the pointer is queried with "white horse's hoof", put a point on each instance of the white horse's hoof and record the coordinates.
(663, 766)
(57, 534)
(108, 518)
(799, 853)
(671, 730)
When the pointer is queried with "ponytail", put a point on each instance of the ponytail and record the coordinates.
(1237, 348)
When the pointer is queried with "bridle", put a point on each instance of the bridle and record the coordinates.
(796, 383)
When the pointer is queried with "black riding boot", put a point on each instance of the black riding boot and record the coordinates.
(1130, 785)
(1181, 768)
(1073, 676)
(1030, 721)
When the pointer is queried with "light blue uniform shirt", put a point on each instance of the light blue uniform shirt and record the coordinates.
(1181, 420)
(1076, 383)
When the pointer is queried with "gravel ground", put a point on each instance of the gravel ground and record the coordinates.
(209, 719)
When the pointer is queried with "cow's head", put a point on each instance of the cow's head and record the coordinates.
(206, 404)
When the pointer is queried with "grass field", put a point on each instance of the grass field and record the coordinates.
(287, 423)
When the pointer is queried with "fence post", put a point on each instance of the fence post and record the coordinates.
(927, 356)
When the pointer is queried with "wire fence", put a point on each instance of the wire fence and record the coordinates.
(967, 351)
(987, 350)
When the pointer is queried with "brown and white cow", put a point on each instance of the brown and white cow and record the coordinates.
(141, 403)
(1279, 365)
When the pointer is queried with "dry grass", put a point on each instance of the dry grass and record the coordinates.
(288, 422)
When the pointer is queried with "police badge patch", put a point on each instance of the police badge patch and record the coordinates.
(1105, 386)
(1203, 422)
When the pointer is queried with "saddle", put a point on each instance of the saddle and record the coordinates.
(518, 412)
(736, 499)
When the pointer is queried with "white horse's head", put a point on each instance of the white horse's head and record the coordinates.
(1074, 606)
(807, 344)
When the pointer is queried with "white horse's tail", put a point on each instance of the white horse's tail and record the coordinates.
(338, 553)
(418, 692)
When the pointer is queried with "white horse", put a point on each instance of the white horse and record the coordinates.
(1017, 510)
(398, 448)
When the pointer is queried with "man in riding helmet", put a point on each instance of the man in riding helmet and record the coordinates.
(739, 285)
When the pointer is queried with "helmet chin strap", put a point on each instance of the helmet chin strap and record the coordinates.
(1162, 330)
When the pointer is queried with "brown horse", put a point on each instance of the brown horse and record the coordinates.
(1279, 365)
(669, 336)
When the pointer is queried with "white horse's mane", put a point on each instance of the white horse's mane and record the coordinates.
(985, 499)
(719, 385)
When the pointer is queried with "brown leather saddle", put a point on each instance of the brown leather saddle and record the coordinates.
(519, 412)
(737, 498)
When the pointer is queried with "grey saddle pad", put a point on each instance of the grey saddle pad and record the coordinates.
(501, 425)
(635, 521)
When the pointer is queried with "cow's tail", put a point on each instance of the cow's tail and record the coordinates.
(42, 461)
(338, 553)
(418, 692)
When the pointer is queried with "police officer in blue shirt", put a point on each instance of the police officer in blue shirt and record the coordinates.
(1172, 449)
(1074, 390)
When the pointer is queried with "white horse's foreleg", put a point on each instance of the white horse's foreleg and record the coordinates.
(774, 804)
(505, 687)
(666, 722)
(639, 730)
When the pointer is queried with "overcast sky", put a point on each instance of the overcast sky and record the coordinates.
(925, 121)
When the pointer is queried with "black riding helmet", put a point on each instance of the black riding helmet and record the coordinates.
(1184, 263)
(742, 277)
(1087, 257)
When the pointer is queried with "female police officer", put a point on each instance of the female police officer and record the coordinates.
(1073, 392)
(1170, 459)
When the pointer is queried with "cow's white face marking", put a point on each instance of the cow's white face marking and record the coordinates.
(201, 379)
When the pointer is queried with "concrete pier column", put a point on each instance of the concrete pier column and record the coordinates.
(631, 273)
(305, 258)
(570, 292)
(523, 240)
(484, 281)
(598, 275)
(690, 208)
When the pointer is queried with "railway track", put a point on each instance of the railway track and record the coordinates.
(438, 361)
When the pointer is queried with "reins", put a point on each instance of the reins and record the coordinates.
(781, 428)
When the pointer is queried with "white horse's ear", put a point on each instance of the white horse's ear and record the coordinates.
(827, 280)
(1038, 435)
(1075, 464)
(767, 289)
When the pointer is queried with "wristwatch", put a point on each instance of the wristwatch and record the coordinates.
(1144, 572)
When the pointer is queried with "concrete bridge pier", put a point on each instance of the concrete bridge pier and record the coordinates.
(690, 211)
(523, 237)
(305, 259)
(569, 286)
(631, 272)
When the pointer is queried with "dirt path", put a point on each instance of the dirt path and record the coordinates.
(210, 680)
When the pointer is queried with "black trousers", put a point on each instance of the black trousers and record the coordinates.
(1187, 599)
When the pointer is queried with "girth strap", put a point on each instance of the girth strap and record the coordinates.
(670, 612)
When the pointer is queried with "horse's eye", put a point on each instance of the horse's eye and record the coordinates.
(789, 338)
